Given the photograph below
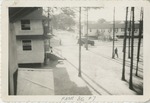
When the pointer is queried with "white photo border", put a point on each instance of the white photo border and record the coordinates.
(76, 3)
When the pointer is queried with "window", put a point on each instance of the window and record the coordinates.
(122, 29)
(26, 44)
(25, 25)
(135, 30)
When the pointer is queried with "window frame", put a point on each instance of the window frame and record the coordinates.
(122, 29)
(25, 24)
(135, 30)
(26, 45)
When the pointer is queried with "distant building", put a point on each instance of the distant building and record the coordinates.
(106, 29)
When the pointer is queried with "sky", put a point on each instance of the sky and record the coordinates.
(107, 14)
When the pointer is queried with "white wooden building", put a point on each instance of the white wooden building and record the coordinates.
(16, 40)
(30, 36)
(107, 29)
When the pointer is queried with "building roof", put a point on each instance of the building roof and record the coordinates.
(17, 13)
(109, 25)
(37, 14)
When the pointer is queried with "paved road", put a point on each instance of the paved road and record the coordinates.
(99, 67)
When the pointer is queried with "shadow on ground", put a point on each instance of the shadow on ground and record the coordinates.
(138, 88)
(62, 83)
(91, 80)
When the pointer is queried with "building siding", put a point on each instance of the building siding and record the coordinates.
(93, 32)
(36, 55)
(13, 65)
(36, 28)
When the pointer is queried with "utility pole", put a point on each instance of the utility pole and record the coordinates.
(79, 74)
(48, 18)
(139, 42)
(113, 54)
(47, 41)
(129, 35)
(124, 45)
(87, 32)
(50, 29)
(132, 50)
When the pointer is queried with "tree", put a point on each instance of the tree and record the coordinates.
(64, 20)
(139, 42)
(79, 74)
(68, 11)
(132, 50)
(129, 36)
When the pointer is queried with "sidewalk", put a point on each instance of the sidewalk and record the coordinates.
(35, 81)
(101, 75)
(56, 78)
(66, 80)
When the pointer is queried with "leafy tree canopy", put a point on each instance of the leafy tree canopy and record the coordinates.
(64, 19)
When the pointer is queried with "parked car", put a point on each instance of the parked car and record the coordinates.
(83, 41)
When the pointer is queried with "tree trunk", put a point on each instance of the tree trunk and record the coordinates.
(79, 42)
(132, 50)
(139, 42)
(129, 37)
